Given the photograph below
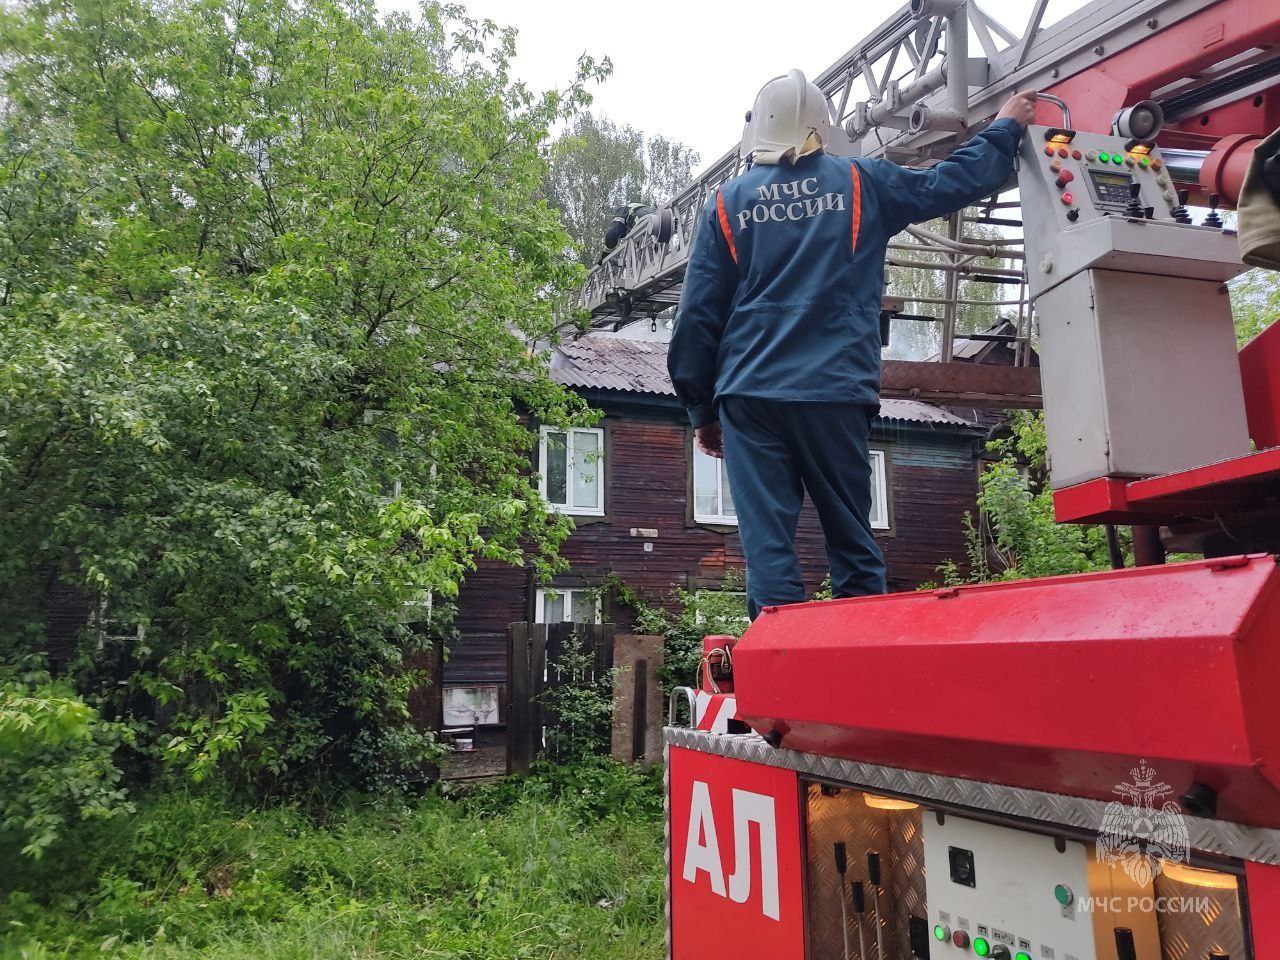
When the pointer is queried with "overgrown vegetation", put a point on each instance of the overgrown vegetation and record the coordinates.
(566, 864)
(268, 276)
(1015, 535)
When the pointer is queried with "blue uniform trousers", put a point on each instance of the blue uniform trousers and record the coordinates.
(775, 450)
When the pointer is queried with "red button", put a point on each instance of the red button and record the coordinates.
(1156, 164)
(960, 939)
(1048, 151)
(1065, 177)
(1075, 154)
(1062, 152)
(1068, 198)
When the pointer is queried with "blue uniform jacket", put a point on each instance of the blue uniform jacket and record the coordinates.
(782, 289)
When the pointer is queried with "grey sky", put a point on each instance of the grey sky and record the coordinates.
(690, 70)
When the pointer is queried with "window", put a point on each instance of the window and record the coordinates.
(572, 473)
(712, 499)
(568, 605)
(879, 492)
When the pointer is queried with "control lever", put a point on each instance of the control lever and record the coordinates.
(842, 867)
(1125, 949)
(1180, 213)
(1213, 220)
(860, 908)
(1134, 209)
(873, 874)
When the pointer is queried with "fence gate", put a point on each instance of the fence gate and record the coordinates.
(537, 657)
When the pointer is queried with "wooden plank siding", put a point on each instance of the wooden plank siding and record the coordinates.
(931, 480)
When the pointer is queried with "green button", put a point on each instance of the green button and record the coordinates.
(1022, 955)
(1145, 161)
(1062, 893)
(1117, 159)
(981, 947)
(1104, 157)
(940, 933)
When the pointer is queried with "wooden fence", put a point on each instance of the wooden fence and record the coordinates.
(536, 654)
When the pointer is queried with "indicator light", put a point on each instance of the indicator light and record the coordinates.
(1104, 157)
(1063, 894)
(1068, 198)
(981, 947)
(960, 939)
(940, 933)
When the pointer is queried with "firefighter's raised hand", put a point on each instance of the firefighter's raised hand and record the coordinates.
(1020, 107)
(710, 439)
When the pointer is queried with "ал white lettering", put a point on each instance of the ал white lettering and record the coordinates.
(702, 848)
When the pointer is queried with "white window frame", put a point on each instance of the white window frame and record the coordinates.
(540, 607)
(596, 510)
(879, 491)
(720, 517)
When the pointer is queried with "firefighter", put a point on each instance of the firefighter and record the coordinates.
(776, 349)
(624, 221)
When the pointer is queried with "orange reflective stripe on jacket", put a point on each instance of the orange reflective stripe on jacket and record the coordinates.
(724, 226)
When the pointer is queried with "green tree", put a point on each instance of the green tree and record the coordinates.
(597, 165)
(270, 270)
(1015, 535)
(1255, 303)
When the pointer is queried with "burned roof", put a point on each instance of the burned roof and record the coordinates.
(604, 361)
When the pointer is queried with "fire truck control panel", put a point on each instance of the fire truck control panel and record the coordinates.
(1138, 357)
(1008, 894)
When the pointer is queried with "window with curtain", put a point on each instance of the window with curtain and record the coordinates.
(712, 498)
(572, 469)
(568, 605)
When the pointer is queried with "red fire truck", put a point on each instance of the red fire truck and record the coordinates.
(1077, 768)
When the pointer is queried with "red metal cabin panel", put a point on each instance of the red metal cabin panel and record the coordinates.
(1260, 375)
(736, 867)
(1222, 30)
(1263, 884)
(1059, 685)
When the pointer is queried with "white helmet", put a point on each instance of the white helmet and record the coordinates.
(787, 111)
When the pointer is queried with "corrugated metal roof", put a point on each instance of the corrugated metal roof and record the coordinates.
(603, 361)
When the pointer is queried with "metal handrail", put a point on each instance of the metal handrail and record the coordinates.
(673, 705)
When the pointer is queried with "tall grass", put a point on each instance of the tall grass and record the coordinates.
(563, 866)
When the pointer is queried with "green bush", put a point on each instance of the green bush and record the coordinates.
(564, 864)
(56, 764)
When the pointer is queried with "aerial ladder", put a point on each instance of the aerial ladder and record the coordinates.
(1072, 768)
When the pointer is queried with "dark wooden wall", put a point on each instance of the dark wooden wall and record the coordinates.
(932, 481)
